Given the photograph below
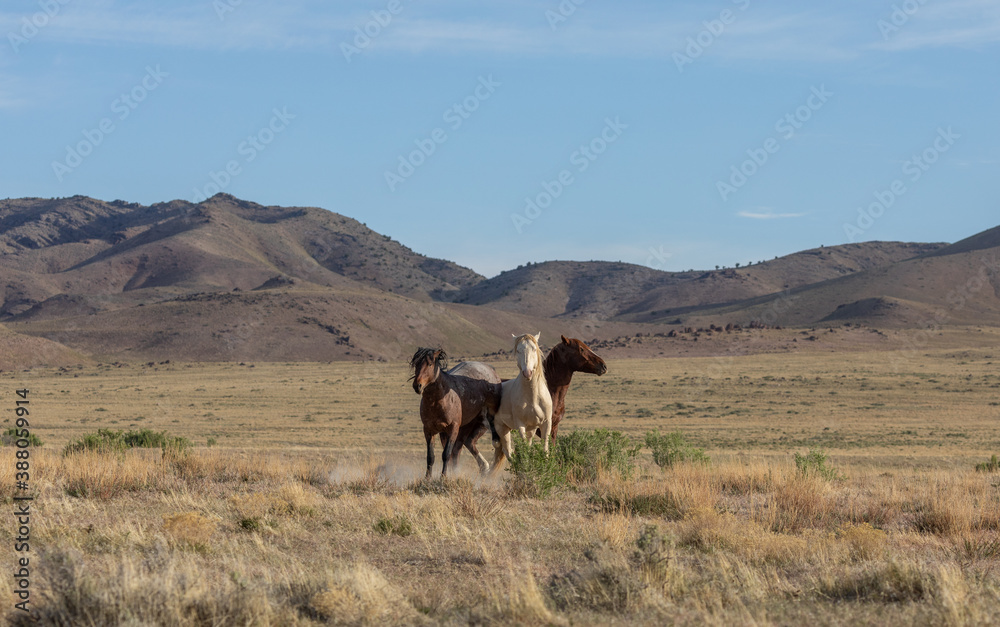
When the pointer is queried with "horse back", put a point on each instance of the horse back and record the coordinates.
(476, 370)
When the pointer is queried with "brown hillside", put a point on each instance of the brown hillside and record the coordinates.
(606, 290)
(932, 290)
(228, 279)
(296, 324)
(18, 352)
(81, 246)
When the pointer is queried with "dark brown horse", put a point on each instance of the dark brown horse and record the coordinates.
(458, 404)
(568, 356)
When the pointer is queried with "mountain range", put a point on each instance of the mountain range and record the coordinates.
(228, 279)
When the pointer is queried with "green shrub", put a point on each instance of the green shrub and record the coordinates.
(637, 504)
(814, 464)
(535, 473)
(109, 440)
(398, 525)
(250, 523)
(583, 453)
(671, 448)
(578, 455)
(11, 436)
(991, 466)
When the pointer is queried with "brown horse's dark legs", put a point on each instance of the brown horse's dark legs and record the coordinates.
(470, 443)
(430, 455)
(449, 444)
(488, 421)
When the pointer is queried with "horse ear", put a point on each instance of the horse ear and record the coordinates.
(538, 336)
(564, 339)
(512, 335)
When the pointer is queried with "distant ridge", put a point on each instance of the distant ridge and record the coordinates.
(231, 279)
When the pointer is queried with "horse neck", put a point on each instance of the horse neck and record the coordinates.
(557, 373)
(440, 387)
(539, 380)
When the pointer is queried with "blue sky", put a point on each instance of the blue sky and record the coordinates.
(671, 134)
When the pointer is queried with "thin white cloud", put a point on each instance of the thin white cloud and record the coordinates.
(768, 214)
(761, 32)
(444, 26)
(956, 24)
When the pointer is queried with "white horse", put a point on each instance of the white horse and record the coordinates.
(525, 403)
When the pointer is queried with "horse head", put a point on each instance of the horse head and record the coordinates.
(579, 357)
(427, 364)
(529, 354)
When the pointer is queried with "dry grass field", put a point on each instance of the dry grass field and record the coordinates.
(301, 501)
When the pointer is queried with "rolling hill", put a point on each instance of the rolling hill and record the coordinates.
(81, 246)
(228, 279)
(957, 284)
(626, 292)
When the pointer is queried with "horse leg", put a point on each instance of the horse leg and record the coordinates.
(456, 448)
(430, 453)
(499, 456)
(546, 431)
(445, 454)
(448, 439)
(470, 443)
(490, 419)
(507, 448)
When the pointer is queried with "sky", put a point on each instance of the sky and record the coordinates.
(676, 135)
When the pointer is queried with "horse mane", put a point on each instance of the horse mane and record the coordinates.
(541, 360)
(427, 353)
(529, 337)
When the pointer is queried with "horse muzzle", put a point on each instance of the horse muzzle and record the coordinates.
(527, 373)
(418, 388)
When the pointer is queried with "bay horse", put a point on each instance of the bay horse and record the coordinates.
(457, 404)
(525, 401)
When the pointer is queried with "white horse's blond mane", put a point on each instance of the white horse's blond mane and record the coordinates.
(525, 404)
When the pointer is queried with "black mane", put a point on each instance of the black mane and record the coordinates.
(427, 353)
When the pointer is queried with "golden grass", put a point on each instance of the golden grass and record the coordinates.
(296, 521)
(189, 527)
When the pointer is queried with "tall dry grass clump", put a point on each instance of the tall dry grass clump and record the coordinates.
(191, 528)
(102, 475)
(217, 465)
(158, 590)
(682, 489)
(517, 600)
(361, 595)
(797, 503)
